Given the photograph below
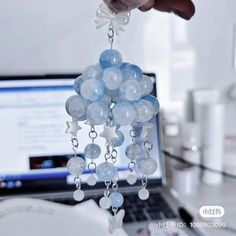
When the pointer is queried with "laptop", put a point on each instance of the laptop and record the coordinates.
(35, 150)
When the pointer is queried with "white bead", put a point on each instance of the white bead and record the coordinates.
(76, 166)
(131, 178)
(143, 194)
(78, 195)
(105, 203)
(148, 166)
(91, 180)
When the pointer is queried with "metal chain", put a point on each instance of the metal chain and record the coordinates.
(93, 134)
(144, 181)
(111, 35)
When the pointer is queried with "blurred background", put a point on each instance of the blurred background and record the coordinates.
(194, 61)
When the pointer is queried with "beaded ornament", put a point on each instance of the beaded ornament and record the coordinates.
(112, 94)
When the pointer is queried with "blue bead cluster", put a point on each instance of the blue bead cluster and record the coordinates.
(112, 78)
(112, 81)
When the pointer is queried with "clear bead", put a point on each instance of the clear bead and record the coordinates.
(153, 100)
(131, 178)
(92, 90)
(124, 113)
(116, 199)
(78, 195)
(131, 72)
(75, 106)
(106, 171)
(91, 181)
(148, 166)
(92, 72)
(97, 113)
(76, 166)
(131, 90)
(117, 142)
(147, 85)
(133, 151)
(112, 78)
(92, 151)
(144, 111)
(105, 203)
(110, 58)
(143, 194)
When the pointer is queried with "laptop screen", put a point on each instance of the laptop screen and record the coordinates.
(34, 146)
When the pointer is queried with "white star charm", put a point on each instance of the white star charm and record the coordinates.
(116, 221)
(109, 133)
(147, 130)
(72, 127)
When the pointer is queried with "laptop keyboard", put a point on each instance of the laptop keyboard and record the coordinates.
(136, 210)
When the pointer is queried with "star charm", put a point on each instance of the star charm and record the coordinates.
(109, 133)
(116, 221)
(147, 130)
(72, 127)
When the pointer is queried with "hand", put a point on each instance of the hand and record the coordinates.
(182, 8)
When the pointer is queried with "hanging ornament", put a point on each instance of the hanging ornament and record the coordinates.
(112, 94)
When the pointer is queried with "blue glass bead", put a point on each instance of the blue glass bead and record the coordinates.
(112, 78)
(153, 100)
(116, 199)
(132, 72)
(78, 83)
(133, 151)
(117, 142)
(110, 58)
(106, 171)
(123, 113)
(76, 166)
(97, 113)
(75, 106)
(92, 151)
(131, 90)
(92, 90)
(92, 72)
(144, 110)
(147, 85)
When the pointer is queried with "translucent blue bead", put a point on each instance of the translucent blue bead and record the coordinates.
(123, 113)
(116, 199)
(147, 85)
(76, 166)
(117, 142)
(132, 72)
(78, 83)
(144, 110)
(110, 58)
(133, 151)
(112, 78)
(75, 106)
(93, 72)
(97, 113)
(92, 151)
(153, 100)
(106, 171)
(131, 90)
(92, 90)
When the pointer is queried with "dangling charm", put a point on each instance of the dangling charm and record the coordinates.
(92, 151)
